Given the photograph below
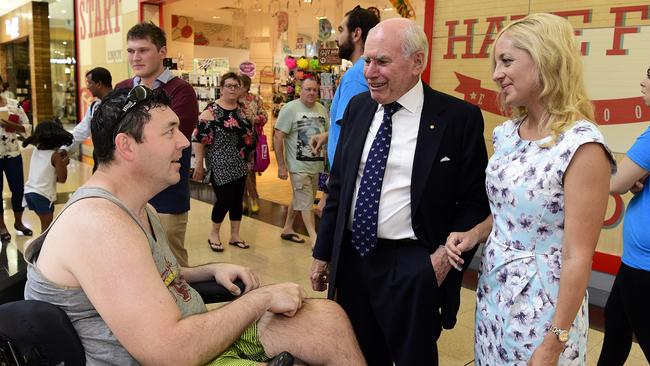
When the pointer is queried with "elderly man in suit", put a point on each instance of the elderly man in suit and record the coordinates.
(409, 169)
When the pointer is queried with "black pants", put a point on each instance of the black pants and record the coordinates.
(390, 299)
(229, 199)
(13, 169)
(627, 312)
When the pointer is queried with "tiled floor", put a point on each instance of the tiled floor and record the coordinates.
(275, 260)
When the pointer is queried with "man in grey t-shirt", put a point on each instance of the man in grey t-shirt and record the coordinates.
(298, 121)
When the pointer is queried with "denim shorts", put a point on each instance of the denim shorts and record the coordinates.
(38, 203)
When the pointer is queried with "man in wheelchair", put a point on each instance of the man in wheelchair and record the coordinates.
(105, 261)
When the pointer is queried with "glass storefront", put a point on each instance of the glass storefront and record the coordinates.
(63, 61)
(38, 58)
(17, 64)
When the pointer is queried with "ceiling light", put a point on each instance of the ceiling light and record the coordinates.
(64, 42)
(319, 18)
(215, 17)
(307, 1)
(388, 9)
(63, 11)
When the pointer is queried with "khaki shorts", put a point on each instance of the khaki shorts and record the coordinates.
(304, 190)
(246, 351)
(175, 226)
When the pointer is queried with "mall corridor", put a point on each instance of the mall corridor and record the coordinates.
(273, 259)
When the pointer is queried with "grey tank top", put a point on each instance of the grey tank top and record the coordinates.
(101, 346)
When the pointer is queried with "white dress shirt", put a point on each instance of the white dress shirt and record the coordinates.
(163, 78)
(82, 130)
(394, 216)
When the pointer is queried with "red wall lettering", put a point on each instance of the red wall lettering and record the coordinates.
(82, 24)
(96, 18)
(495, 24)
(467, 38)
(586, 18)
(620, 29)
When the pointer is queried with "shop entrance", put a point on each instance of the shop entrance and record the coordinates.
(18, 74)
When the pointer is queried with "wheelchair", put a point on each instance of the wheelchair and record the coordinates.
(38, 333)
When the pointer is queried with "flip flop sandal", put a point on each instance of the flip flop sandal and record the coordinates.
(292, 237)
(240, 244)
(24, 230)
(216, 247)
(4, 235)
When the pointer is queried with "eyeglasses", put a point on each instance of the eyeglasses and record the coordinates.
(136, 95)
(231, 86)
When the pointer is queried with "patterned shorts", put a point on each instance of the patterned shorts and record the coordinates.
(246, 351)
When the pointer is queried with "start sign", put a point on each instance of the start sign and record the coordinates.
(329, 56)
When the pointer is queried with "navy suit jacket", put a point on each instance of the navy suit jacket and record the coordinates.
(447, 183)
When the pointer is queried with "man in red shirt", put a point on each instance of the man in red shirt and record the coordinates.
(147, 48)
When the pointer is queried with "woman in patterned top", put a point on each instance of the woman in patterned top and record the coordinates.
(228, 139)
(254, 110)
(13, 121)
(548, 185)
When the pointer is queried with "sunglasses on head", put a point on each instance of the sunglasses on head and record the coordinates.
(136, 95)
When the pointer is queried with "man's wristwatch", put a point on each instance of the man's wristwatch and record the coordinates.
(562, 334)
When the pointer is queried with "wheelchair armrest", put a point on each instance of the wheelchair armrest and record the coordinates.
(212, 292)
(38, 333)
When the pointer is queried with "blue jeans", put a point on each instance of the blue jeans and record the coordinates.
(13, 170)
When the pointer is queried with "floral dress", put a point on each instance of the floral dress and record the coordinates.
(9, 143)
(229, 139)
(520, 270)
(253, 108)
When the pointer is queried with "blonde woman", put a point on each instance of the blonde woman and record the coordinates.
(253, 108)
(548, 185)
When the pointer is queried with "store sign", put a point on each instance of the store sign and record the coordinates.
(98, 17)
(247, 68)
(329, 56)
(300, 43)
(585, 16)
(12, 27)
(113, 56)
(613, 42)
(603, 48)
(63, 61)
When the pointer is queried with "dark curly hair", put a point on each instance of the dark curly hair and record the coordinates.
(230, 75)
(100, 74)
(49, 135)
(361, 18)
(106, 122)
